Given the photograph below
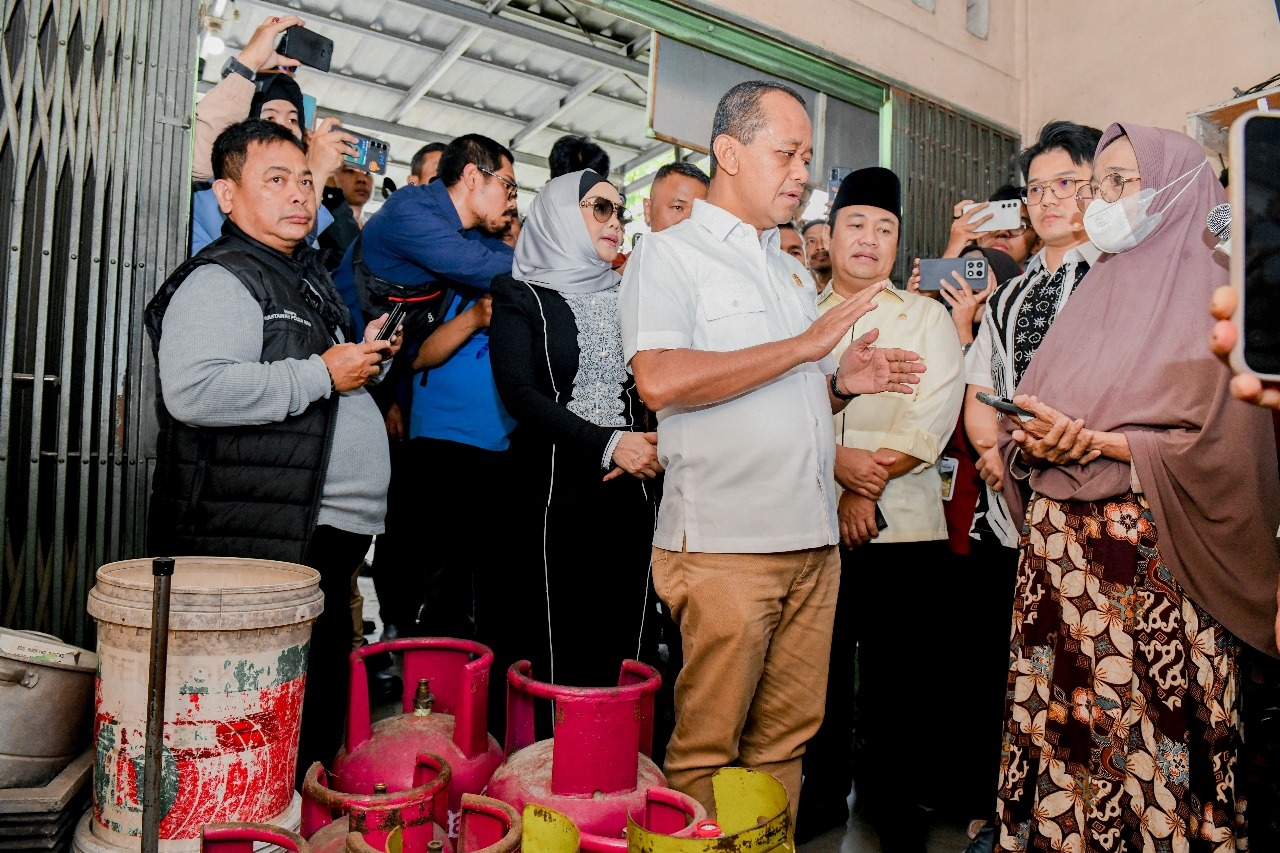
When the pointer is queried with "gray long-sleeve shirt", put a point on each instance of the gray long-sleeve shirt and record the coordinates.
(211, 375)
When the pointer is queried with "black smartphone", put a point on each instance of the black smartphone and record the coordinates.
(934, 271)
(881, 524)
(370, 154)
(835, 175)
(393, 320)
(311, 49)
(1255, 234)
(1004, 405)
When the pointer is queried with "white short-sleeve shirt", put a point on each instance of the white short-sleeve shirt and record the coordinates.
(753, 474)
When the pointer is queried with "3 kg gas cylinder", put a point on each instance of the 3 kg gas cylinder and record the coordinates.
(446, 709)
(417, 812)
(592, 769)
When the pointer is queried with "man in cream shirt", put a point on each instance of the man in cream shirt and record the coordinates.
(887, 454)
(722, 332)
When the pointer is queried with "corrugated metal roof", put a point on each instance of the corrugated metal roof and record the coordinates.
(519, 60)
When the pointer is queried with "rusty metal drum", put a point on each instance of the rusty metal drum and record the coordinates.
(239, 636)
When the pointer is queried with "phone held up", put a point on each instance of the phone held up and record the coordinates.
(1255, 234)
(835, 175)
(311, 49)
(1002, 404)
(1005, 215)
(370, 154)
(934, 271)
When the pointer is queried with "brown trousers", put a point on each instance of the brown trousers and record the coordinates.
(756, 631)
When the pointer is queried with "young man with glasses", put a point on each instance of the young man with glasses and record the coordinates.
(1018, 315)
(445, 233)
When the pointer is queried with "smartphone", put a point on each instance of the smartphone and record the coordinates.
(1005, 215)
(934, 271)
(393, 320)
(309, 111)
(881, 524)
(371, 154)
(310, 48)
(835, 175)
(1004, 405)
(1254, 193)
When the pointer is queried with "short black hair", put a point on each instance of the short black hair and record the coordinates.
(575, 153)
(740, 115)
(415, 165)
(680, 167)
(231, 148)
(470, 148)
(1006, 192)
(1078, 140)
(789, 224)
(812, 222)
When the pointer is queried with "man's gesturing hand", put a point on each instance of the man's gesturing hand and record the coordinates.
(352, 365)
(821, 338)
(867, 369)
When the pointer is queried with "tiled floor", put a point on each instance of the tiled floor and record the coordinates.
(857, 837)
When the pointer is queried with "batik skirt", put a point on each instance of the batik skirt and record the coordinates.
(1122, 720)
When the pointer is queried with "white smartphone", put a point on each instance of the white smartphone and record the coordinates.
(1254, 193)
(1005, 215)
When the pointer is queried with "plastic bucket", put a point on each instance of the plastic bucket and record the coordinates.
(238, 648)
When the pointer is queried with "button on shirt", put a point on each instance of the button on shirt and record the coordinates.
(918, 423)
(753, 474)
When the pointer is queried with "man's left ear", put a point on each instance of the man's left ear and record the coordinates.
(224, 191)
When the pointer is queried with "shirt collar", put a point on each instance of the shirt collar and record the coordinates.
(1086, 252)
(889, 294)
(438, 196)
(720, 223)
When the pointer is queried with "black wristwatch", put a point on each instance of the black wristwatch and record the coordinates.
(835, 389)
(235, 66)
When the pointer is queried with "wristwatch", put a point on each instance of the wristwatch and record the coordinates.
(835, 388)
(235, 66)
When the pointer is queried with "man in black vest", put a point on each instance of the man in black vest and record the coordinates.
(270, 445)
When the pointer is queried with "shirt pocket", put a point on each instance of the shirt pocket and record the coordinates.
(734, 316)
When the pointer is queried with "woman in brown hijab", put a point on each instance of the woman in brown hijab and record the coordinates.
(1149, 549)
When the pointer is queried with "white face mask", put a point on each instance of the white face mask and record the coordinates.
(1117, 226)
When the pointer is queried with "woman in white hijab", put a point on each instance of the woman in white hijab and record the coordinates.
(581, 512)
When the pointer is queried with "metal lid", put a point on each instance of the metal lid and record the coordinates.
(210, 594)
(33, 647)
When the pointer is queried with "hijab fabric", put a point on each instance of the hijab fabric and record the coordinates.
(555, 249)
(1129, 353)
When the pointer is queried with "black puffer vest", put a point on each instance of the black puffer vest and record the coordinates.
(249, 491)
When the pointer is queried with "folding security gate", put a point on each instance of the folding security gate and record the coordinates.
(94, 179)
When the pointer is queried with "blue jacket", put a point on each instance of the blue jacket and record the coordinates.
(417, 237)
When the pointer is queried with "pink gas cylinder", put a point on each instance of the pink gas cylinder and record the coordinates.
(664, 812)
(241, 838)
(487, 826)
(445, 712)
(417, 812)
(592, 769)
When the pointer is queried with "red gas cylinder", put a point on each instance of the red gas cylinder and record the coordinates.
(241, 838)
(418, 812)
(446, 709)
(592, 770)
(487, 826)
(664, 812)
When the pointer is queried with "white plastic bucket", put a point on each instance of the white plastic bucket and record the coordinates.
(239, 632)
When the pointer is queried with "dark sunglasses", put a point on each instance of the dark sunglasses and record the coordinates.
(605, 208)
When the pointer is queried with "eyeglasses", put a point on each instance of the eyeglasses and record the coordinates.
(1060, 187)
(1109, 189)
(605, 208)
(512, 187)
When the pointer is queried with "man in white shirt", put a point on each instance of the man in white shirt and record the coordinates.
(722, 332)
(887, 454)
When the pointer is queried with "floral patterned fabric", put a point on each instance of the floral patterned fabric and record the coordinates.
(1122, 721)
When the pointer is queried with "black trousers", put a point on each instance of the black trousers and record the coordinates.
(400, 589)
(337, 556)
